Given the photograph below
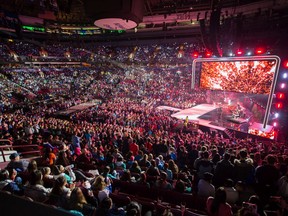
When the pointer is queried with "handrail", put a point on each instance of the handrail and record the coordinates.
(24, 150)
(6, 140)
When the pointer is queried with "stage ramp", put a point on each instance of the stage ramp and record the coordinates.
(195, 113)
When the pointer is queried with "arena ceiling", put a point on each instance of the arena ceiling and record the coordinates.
(73, 11)
(169, 17)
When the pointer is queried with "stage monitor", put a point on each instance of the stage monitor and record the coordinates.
(254, 76)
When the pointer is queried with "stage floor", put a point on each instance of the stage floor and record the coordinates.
(207, 115)
(79, 107)
(195, 113)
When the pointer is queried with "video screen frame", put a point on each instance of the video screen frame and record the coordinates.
(246, 58)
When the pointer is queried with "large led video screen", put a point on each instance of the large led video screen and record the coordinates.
(254, 77)
(240, 88)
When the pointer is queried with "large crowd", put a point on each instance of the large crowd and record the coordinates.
(126, 138)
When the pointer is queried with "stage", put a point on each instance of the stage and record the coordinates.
(77, 108)
(211, 116)
(194, 114)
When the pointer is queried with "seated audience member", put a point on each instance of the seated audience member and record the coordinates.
(168, 171)
(86, 188)
(153, 170)
(217, 206)
(67, 172)
(162, 182)
(60, 193)
(120, 165)
(85, 161)
(77, 201)
(173, 167)
(35, 188)
(20, 165)
(254, 199)
(205, 188)
(48, 153)
(135, 168)
(144, 163)
(183, 176)
(133, 209)
(106, 208)
(9, 182)
(126, 177)
(180, 186)
(248, 209)
(232, 194)
(130, 161)
(26, 175)
(109, 177)
(245, 192)
(48, 178)
(143, 180)
(62, 159)
(99, 188)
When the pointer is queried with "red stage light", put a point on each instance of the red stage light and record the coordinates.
(259, 51)
(239, 52)
(285, 64)
(195, 54)
(208, 54)
(275, 124)
(280, 95)
(279, 105)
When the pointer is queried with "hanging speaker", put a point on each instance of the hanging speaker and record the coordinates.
(115, 14)
(204, 34)
(213, 32)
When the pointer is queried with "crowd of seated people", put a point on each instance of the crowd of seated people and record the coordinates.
(5, 55)
(170, 53)
(126, 139)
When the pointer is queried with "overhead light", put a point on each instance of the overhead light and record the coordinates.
(115, 15)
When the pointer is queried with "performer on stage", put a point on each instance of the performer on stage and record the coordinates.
(186, 121)
(239, 111)
(219, 113)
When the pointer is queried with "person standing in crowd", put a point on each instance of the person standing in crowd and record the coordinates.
(282, 187)
(224, 170)
(133, 147)
(244, 169)
(267, 176)
(205, 188)
(204, 165)
(76, 142)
